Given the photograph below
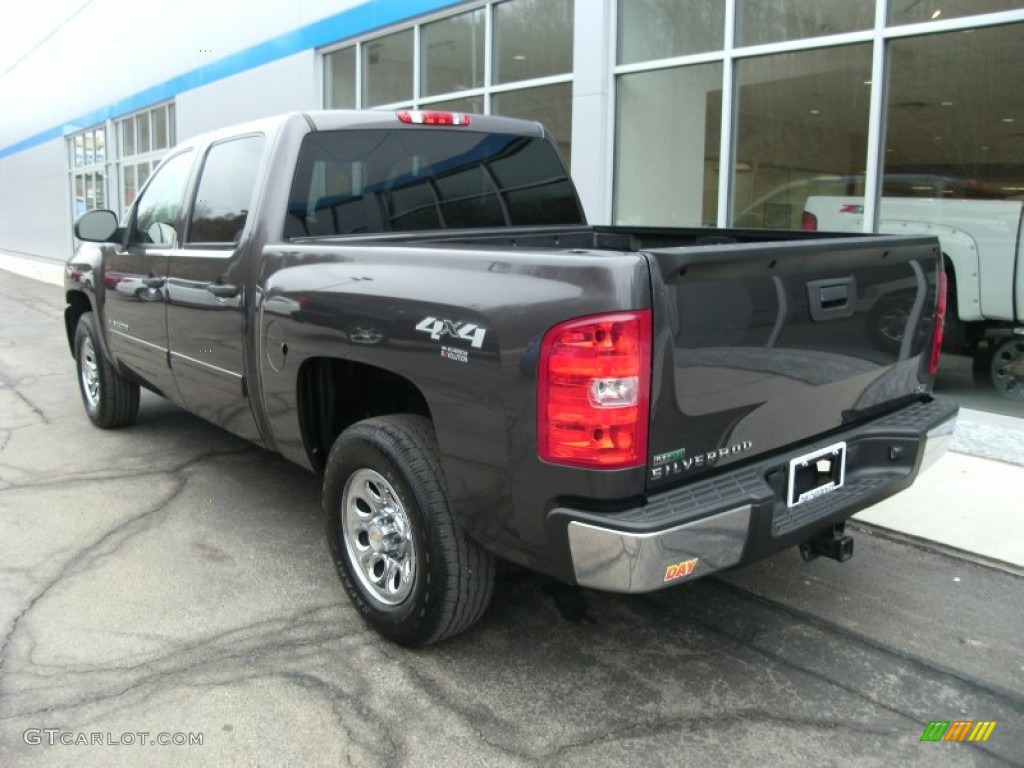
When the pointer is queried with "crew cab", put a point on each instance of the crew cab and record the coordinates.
(412, 305)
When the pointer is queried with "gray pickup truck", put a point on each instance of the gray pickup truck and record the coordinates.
(412, 304)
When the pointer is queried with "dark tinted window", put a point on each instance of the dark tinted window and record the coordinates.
(157, 211)
(371, 181)
(225, 191)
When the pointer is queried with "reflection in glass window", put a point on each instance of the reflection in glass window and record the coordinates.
(913, 11)
(550, 105)
(758, 21)
(532, 38)
(800, 116)
(954, 157)
(369, 181)
(680, 188)
(660, 29)
(158, 208)
(225, 191)
(452, 54)
(340, 79)
(387, 69)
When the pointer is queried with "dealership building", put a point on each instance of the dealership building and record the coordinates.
(670, 112)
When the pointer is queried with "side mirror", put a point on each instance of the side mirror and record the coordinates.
(96, 226)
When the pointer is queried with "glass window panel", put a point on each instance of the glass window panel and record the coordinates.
(913, 11)
(79, 151)
(158, 119)
(225, 191)
(550, 105)
(171, 132)
(954, 157)
(90, 150)
(340, 80)
(79, 195)
(467, 104)
(758, 21)
(387, 69)
(666, 168)
(143, 173)
(129, 185)
(800, 117)
(452, 53)
(157, 212)
(127, 137)
(100, 142)
(532, 38)
(660, 29)
(100, 196)
(142, 132)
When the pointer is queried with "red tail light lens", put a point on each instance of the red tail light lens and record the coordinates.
(940, 319)
(809, 221)
(419, 117)
(593, 391)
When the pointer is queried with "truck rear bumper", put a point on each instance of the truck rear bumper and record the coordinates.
(741, 516)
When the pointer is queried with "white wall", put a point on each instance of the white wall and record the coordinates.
(35, 207)
(282, 86)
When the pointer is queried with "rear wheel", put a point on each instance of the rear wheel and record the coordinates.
(110, 400)
(1007, 369)
(403, 559)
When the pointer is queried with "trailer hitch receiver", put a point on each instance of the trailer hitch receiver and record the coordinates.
(831, 542)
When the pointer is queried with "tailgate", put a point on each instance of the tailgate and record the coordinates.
(764, 346)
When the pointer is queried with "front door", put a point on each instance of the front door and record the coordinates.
(135, 278)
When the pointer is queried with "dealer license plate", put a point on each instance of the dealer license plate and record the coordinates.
(817, 473)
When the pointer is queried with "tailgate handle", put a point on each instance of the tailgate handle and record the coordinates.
(832, 299)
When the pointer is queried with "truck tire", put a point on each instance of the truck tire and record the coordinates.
(1007, 368)
(402, 557)
(110, 400)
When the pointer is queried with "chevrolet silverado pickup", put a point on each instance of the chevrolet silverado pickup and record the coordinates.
(412, 305)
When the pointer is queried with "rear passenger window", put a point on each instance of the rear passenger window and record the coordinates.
(225, 191)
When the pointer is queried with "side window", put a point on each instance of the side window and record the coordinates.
(158, 206)
(225, 191)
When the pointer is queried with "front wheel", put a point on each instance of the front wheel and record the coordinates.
(110, 400)
(402, 557)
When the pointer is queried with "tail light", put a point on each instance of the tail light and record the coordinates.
(420, 117)
(940, 321)
(593, 391)
(809, 221)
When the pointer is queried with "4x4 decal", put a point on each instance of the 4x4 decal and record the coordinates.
(438, 328)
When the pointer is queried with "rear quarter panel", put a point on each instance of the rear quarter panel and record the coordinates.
(464, 326)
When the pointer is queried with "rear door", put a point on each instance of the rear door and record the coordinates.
(206, 288)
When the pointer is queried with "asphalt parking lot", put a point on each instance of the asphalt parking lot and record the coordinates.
(172, 580)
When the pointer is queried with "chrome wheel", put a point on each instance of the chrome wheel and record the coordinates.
(1008, 369)
(378, 537)
(89, 370)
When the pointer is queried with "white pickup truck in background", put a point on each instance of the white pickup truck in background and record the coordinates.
(983, 247)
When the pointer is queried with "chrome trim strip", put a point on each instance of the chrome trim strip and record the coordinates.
(137, 340)
(204, 364)
(618, 561)
(937, 442)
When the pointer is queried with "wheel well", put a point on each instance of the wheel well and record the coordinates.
(78, 305)
(334, 394)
